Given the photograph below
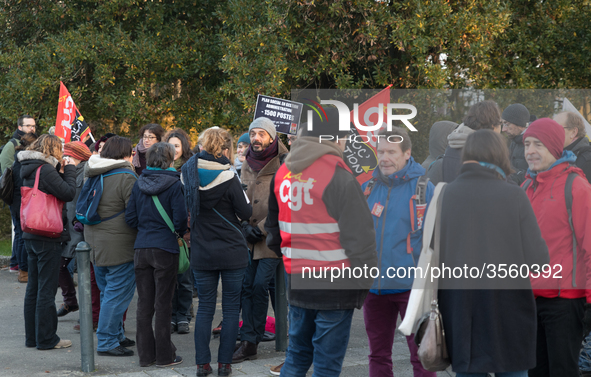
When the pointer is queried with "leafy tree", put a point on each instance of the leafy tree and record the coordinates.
(195, 64)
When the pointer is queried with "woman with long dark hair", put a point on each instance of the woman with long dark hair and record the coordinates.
(490, 324)
(182, 300)
(150, 134)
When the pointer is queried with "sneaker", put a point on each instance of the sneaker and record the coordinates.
(183, 328)
(63, 343)
(127, 343)
(173, 327)
(276, 370)
(65, 309)
(117, 351)
(224, 369)
(13, 269)
(204, 370)
(177, 360)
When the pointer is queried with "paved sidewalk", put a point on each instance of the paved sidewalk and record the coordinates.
(18, 360)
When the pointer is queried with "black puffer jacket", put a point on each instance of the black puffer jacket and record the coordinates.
(62, 186)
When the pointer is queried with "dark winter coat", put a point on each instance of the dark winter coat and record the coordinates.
(582, 150)
(517, 157)
(142, 214)
(69, 250)
(62, 186)
(487, 220)
(112, 240)
(216, 244)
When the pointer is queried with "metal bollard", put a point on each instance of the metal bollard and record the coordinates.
(85, 303)
(281, 309)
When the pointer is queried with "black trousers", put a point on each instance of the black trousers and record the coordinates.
(560, 333)
(155, 276)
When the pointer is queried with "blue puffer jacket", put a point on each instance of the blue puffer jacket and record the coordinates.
(393, 226)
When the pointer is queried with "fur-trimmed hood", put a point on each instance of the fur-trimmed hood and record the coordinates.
(35, 155)
(97, 165)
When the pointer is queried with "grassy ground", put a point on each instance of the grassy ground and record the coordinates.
(6, 247)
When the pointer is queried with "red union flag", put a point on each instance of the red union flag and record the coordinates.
(361, 157)
(69, 124)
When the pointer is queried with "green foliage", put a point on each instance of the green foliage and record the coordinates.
(197, 64)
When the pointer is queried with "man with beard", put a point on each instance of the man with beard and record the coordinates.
(263, 159)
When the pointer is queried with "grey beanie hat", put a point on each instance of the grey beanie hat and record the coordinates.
(266, 124)
(516, 114)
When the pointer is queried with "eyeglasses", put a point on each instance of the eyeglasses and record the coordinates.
(149, 137)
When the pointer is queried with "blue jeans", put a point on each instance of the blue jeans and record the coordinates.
(317, 336)
(117, 286)
(585, 355)
(40, 311)
(19, 252)
(255, 298)
(207, 287)
(522, 373)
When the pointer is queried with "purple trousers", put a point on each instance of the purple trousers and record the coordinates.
(380, 313)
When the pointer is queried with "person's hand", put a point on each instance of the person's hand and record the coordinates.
(252, 233)
(79, 227)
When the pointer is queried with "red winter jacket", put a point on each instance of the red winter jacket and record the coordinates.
(546, 194)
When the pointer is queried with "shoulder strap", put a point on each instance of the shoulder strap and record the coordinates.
(526, 184)
(163, 213)
(14, 141)
(421, 190)
(36, 186)
(232, 225)
(568, 198)
(437, 242)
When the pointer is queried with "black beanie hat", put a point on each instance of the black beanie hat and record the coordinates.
(325, 124)
(516, 114)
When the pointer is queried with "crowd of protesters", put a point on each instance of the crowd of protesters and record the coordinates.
(247, 208)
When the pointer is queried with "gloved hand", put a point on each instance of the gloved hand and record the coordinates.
(587, 319)
(252, 233)
(79, 227)
(244, 187)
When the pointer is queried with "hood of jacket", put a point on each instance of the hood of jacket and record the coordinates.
(214, 179)
(438, 140)
(306, 149)
(411, 170)
(154, 182)
(31, 160)
(457, 139)
(97, 165)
